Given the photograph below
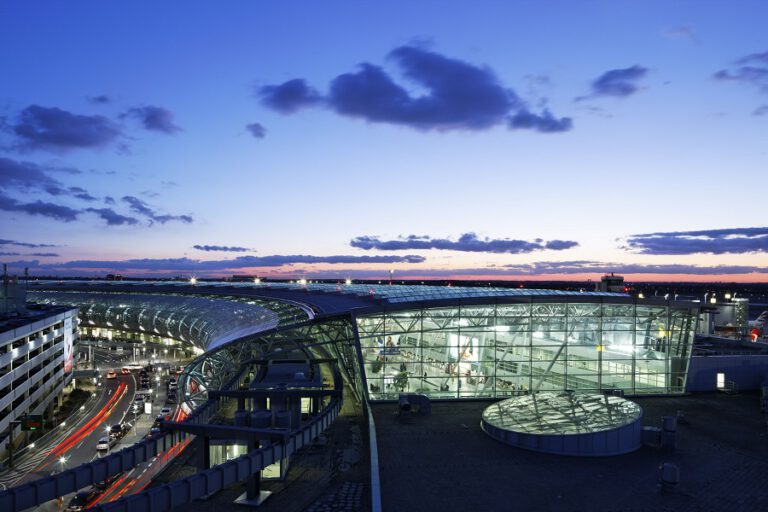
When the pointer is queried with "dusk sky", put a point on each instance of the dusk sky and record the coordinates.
(509, 140)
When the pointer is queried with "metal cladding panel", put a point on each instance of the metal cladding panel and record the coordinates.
(136, 503)
(214, 480)
(228, 473)
(243, 467)
(159, 498)
(179, 490)
(83, 476)
(128, 457)
(27, 494)
(66, 481)
(100, 470)
(197, 486)
(115, 463)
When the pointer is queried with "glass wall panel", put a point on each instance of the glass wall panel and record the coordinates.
(504, 350)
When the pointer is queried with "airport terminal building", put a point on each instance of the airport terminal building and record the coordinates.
(444, 342)
(287, 355)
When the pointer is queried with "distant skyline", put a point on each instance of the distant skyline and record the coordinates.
(521, 140)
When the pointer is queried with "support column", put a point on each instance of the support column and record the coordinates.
(253, 495)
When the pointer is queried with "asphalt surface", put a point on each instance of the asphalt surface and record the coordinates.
(445, 462)
(75, 444)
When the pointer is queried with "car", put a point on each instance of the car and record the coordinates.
(143, 373)
(153, 432)
(81, 500)
(117, 431)
(171, 398)
(139, 399)
(133, 367)
(166, 413)
(172, 380)
(104, 444)
(104, 484)
(111, 374)
(125, 371)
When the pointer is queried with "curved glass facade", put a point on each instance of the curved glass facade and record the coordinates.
(502, 350)
(205, 322)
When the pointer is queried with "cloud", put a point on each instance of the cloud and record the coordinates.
(109, 200)
(257, 130)
(10, 254)
(617, 83)
(24, 244)
(562, 268)
(99, 99)
(41, 208)
(583, 267)
(545, 123)
(157, 119)
(750, 70)
(172, 265)
(289, 96)
(682, 32)
(43, 254)
(714, 241)
(468, 242)
(51, 128)
(761, 111)
(113, 218)
(26, 175)
(459, 96)
(142, 208)
(222, 248)
(81, 193)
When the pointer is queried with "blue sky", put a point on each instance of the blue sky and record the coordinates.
(474, 135)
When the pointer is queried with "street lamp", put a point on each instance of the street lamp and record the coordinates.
(63, 462)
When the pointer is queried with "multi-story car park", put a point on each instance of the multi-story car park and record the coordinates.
(37, 345)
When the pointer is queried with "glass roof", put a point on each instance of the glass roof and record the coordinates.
(389, 293)
(562, 413)
(204, 321)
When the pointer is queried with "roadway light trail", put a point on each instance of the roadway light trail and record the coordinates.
(86, 429)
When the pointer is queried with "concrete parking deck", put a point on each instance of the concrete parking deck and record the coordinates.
(445, 462)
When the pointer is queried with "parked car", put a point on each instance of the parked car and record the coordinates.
(111, 374)
(117, 431)
(166, 413)
(153, 432)
(139, 399)
(81, 500)
(104, 444)
(171, 398)
(143, 373)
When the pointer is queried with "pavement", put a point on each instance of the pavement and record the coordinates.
(445, 462)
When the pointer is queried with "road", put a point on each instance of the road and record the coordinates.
(79, 445)
(76, 443)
